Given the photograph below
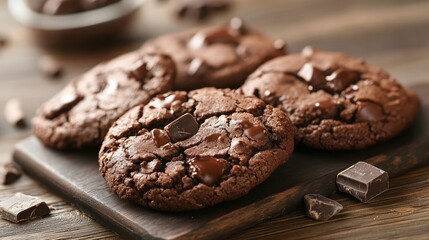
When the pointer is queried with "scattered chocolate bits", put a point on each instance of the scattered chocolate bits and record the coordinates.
(9, 173)
(13, 112)
(50, 67)
(363, 181)
(3, 41)
(182, 128)
(21, 207)
(321, 208)
(199, 9)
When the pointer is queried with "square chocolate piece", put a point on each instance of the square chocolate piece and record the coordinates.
(363, 181)
(321, 208)
(21, 207)
(182, 128)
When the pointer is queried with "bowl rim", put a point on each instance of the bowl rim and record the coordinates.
(30, 18)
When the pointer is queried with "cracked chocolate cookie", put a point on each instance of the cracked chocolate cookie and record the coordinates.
(335, 101)
(185, 151)
(218, 56)
(81, 114)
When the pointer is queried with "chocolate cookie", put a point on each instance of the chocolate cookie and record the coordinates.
(81, 114)
(219, 56)
(335, 101)
(185, 151)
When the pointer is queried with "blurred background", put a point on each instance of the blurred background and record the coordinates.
(389, 33)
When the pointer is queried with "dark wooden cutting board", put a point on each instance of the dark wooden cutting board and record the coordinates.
(75, 176)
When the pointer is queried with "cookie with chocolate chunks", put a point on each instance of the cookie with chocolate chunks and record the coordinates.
(185, 151)
(335, 101)
(217, 56)
(81, 114)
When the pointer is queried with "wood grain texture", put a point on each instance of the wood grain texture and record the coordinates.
(389, 33)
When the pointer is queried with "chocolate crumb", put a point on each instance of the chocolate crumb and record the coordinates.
(9, 173)
(13, 113)
(50, 67)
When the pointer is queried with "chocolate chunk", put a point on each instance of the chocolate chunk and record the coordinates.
(341, 79)
(198, 9)
(237, 25)
(368, 111)
(208, 170)
(160, 137)
(197, 67)
(164, 101)
(363, 181)
(3, 41)
(13, 112)
(9, 173)
(61, 104)
(138, 70)
(50, 67)
(321, 208)
(280, 44)
(255, 132)
(21, 207)
(210, 36)
(182, 128)
(313, 76)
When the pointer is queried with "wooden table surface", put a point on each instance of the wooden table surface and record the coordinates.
(393, 34)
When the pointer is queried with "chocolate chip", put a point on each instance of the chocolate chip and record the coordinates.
(255, 132)
(9, 173)
(138, 70)
(182, 128)
(211, 36)
(208, 170)
(13, 112)
(363, 181)
(61, 104)
(197, 67)
(164, 101)
(237, 25)
(3, 41)
(50, 67)
(160, 137)
(308, 51)
(21, 207)
(321, 208)
(368, 111)
(280, 44)
(312, 76)
(150, 167)
(341, 79)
